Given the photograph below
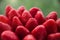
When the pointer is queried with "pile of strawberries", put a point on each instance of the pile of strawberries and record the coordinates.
(22, 24)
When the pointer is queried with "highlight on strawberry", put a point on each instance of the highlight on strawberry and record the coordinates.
(23, 24)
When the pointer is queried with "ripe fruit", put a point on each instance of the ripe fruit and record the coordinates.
(21, 31)
(15, 22)
(7, 10)
(31, 24)
(39, 17)
(4, 27)
(9, 35)
(50, 26)
(29, 37)
(22, 24)
(21, 10)
(12, 13)
(52, 15)
(55, 36)
(4, 19)
(39, 32)
(26, 16)
(58, 24)
(33, 11)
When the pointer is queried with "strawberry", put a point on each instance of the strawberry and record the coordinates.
(33, 11)
(39, 32)
(55, 36)
(31, 24)
(21, 31)
(21, 10)
(39, 17)
(22, 24)
(52, 15)
(16, 22)
(4, 19)
(8, 9)
(22, 20)
(12, 13)
(58, 24)
(4, 26)
(9, 35)
(29, 37)
(26, 15)
(50, 26)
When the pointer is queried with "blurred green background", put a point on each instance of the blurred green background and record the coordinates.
(45, 5)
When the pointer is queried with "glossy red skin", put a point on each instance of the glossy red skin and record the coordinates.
(40, 17)
(9, 35)
(50, 26)
(33, 11)
(22, 20)
(4, 19)
(52, 15)
(12, 13)
(4, 27)
(21, 31)
(29, 37)
(32, 21)
(7, 10)
(55, 36)
(26, 15)
(31, 24)
(58, 24)
(39, 32)
(15, 22)
(21, 10)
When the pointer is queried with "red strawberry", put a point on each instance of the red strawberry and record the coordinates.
(55, 36)
(8, 35)
(21, 31)
(21, 10)
(22, 20)
(39, 32)
(29, 37)
(31, 24)
(8, 9)
(26, 15)
(16, 22)
(58, 24)
(40, 17)
(52, 15)
(12, 13)
(50, 26)
(33, 11)
(4, 19)
(4, 27)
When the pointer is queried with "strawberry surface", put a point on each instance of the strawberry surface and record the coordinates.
(23, 24)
